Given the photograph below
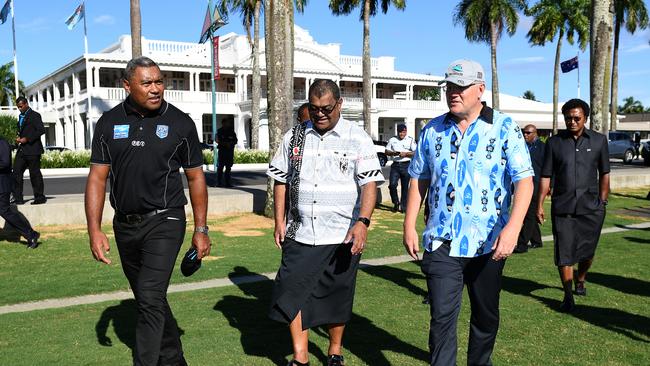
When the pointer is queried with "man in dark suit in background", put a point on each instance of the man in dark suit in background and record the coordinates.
(530, 230)
(12, 216)
(28, 156)
(226, 141)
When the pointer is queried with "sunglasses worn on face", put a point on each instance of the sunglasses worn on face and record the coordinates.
(574, 119)
(528, 132)
(326, 110)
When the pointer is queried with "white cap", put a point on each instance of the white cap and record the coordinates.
(464, 73)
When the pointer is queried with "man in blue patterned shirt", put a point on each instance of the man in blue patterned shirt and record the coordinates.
(468, 159)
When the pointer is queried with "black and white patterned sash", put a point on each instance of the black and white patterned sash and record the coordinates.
(296, 153)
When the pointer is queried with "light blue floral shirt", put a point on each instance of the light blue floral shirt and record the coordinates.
(472, 176)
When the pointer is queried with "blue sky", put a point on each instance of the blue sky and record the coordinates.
(423, 39)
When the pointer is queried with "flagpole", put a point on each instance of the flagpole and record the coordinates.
(578, 59)
(13, 30)
(214, 92)
(89, 83)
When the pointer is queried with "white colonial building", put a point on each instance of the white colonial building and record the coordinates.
(63, 97)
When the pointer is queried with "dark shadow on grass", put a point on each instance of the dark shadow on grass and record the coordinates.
(368, 342)
(633, 326)
(259, 335)
(399, 277)
(637, 240)
(632, 286)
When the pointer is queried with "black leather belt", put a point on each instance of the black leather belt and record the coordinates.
(401, 162)
(136, 218)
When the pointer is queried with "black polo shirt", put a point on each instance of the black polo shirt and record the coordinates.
(575, 165)
(145, 154)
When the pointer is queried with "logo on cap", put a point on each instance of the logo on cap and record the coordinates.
(458, 68)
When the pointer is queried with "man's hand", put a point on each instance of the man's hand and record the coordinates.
(21, 140)
(410, 241)
(505, 243)
(201, 242)
(540, 215)
(99, 246)
(357, 235)
(278, 234)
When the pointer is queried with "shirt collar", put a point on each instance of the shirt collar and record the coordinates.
(129, 109)
(26, 111)
(486, 114)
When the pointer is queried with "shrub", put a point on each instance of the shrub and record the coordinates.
(8, 127)
(241, 157)
(66, 159)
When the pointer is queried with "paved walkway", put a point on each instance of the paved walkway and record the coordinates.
(223, 282)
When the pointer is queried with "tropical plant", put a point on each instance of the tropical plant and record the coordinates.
(8, 127)
(633, 14)
(562, 18)
(528, 94)
(8, 84)
(484, 21)
(136, 29)
(250, 13)
(368, 9)
(630, 105)
(429, 94)
(601, 36)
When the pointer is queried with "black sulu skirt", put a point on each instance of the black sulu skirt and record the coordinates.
(317, 281)
(576, 236)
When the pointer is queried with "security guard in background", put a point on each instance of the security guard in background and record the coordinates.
(140, 145)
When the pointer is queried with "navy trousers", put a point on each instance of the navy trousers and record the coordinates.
(399, 174)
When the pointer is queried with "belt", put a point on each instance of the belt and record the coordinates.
(137, 218)
(402, 162)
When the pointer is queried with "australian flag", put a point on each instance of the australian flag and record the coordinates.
(4, 13)
(569, 64)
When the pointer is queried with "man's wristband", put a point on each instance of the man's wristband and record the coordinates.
(364, 220)
(201, 229)
(605, 202)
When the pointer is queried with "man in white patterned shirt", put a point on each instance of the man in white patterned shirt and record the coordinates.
(401, 148)
(329, 170)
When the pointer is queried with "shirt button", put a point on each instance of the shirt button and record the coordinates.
(140, 128)
(315, 185)
(314, 217)
(314, 201)
(321, 139)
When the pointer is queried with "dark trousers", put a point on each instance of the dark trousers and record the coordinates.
(14, 218)
(445, 279)
(33, 163)
(399, 173)
(530, 230)
(148, 251)
(225, 161)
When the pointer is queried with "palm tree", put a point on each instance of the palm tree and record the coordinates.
(635, 15)
(484, 21)
(369, 9)
(528, 94)
(7, 84)
(136, 29)
(601, 36)
(630, 106)
(250, 13)
(559, 17)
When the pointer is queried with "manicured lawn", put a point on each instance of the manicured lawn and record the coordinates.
(228, 326)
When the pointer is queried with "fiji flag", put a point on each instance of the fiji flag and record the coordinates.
(73, 19)
(569, 65)
(4, 13)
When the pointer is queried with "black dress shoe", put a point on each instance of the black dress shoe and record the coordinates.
(17, 202)
(395, 208)
(534, 246)
(32, 243)
(568, 305)
(39, 201)
(520, 249)
(335, 360)
(580, 288)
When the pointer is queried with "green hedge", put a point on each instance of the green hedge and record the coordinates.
(241, 157)
(8, 125)
(81, 158)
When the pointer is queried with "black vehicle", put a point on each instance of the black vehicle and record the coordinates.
(645, 152)
(380, 147)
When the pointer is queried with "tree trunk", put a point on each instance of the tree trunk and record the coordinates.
(367, 79)
(606, 89)
(613, 107)
(556, 80)
(601, 31)
(136, 29)
(495, 77)
(279, 70)
(257, 79)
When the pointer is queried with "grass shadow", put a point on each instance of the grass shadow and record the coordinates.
(636, 240)
(399, 277)
(124, 317)
(633, 326)
(632, 286)
(259, 335)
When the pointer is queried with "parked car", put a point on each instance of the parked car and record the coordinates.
(380, 147)
(56, 148)
(645, 152)
(621, 146)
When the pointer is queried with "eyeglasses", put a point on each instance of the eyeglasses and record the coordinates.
(574, 119)
(326, 110)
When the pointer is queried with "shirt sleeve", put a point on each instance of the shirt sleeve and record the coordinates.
(389, 145)
(419, 167)
(518, 163)
(414, 145)
(368, 168)
(279, 166)
(99, 148)
(603, 164)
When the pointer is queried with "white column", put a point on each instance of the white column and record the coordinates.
(96, 77)
(245, 87)
(192, 73)
(307, 84)
(374, 90)
(409, 121)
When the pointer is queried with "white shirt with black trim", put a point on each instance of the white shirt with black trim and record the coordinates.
(334, 168)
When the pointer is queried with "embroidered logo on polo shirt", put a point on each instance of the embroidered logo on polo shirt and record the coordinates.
(120, 131)
(162, 131)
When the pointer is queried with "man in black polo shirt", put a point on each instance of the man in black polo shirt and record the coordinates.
(140, 145)
(577, 159)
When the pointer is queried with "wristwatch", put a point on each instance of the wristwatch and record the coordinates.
(605, 202)
(365, 220)
(201, 229)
